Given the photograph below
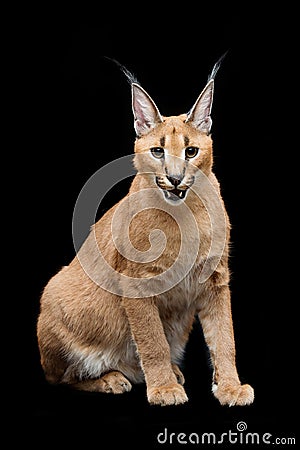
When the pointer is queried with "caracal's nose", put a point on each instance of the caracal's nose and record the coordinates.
(175, 180)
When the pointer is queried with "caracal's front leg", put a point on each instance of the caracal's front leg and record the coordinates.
(154, 352)
(216, 321)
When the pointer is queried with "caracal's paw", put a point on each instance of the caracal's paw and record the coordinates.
(114, 383)
(234, 394)
(111, 383)
(169, 394)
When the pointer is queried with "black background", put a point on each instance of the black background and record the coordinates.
(75, 108)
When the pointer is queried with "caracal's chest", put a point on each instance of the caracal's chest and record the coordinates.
(185, 258)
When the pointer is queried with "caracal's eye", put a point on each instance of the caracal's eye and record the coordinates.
(191, 152)
(157, 152)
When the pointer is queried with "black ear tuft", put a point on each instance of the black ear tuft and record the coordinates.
(131, 78)
(216, 67)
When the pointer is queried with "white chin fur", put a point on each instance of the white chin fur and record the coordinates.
(214, 388)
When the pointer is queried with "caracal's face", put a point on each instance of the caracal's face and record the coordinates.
(172, 154)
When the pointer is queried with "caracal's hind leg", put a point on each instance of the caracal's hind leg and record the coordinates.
(111, 383)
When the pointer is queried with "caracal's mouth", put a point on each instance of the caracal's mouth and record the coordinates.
(175, 195)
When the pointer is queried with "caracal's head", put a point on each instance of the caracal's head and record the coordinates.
(171, 150)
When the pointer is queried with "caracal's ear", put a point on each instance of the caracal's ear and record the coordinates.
(199, 115)
(146, 114)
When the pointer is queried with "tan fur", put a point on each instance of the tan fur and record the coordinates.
(98, 341)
